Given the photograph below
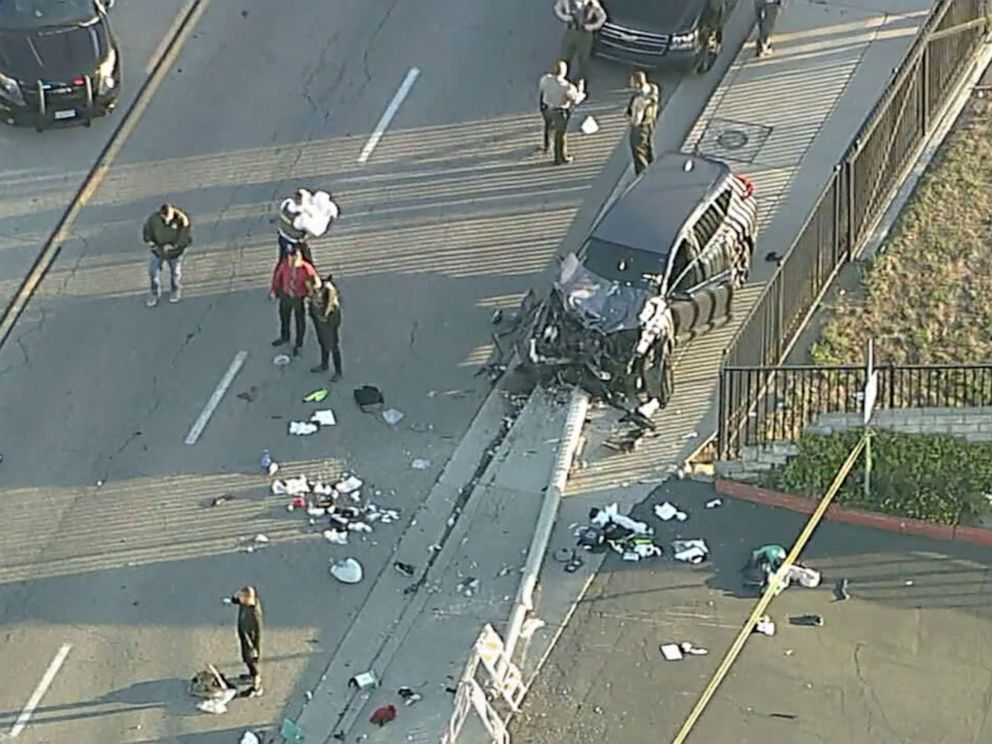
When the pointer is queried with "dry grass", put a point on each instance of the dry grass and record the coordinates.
(928, 297)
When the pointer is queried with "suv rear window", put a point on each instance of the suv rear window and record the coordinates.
(618, 263)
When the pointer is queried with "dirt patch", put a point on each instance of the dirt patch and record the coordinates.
(926, 294)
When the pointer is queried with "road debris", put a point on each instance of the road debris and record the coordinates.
(714, 503)
(810, 621)
(392, 416)
(347, 571)
(261, 539)
(317, 396)
(409, 696)
(323, 417)
(667, 511)
(840, 590)
(589, 125)
(693, 551)
(290, 732)
(420, 464)
(369, 398)
(364, 682)
(281, 360)
(383, 715)
(765, 626)
(249, 737)
(302, 428)
(337, 537)
(468, 586)
(406, 569)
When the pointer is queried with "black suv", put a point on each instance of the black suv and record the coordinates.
(59, 62)
(660, 266)
(684, 34)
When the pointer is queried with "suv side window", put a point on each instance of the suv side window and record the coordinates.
(710, 220)
(685, 267)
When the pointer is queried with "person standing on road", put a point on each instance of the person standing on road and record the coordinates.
(325, 312)
(250, 634)
(289, 286)
(642, 113)
(556, 97)
(168, 233)
(582, 19)
(767, 12)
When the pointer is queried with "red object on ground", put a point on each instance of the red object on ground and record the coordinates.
(383, 715)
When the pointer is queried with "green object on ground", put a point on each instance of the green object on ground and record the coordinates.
(932, 477)
(290, 731)
(317, 396)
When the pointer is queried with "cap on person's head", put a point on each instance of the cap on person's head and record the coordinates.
(638, 79)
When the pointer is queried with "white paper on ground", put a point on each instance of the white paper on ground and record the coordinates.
(671, 652)
(668, 511)
(349, 484)
(590, 126)
(323, 417)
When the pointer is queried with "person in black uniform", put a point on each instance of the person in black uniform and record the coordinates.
(325, 312)
(250, 634)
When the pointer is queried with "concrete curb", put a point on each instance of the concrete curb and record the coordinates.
(857, 517)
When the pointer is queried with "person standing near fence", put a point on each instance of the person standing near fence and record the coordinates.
(168, 232)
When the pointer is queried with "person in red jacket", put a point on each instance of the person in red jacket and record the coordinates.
(290, 285)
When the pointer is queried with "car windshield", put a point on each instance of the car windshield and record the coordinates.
(605, 305)
(23, 14)
(618, 263)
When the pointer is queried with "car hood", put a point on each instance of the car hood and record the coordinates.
(598, 303)
(659, 16)
(56, 55)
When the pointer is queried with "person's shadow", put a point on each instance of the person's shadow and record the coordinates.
(170, 695)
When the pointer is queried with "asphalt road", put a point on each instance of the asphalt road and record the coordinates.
(903, 661)
(40, 173)
(109, 543)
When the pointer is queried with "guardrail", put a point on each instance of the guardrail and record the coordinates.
(856, 197)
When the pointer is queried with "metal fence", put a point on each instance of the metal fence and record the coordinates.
(761, 405)
(861, 187)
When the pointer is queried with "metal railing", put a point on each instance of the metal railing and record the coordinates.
(761, 405)
(860, 189)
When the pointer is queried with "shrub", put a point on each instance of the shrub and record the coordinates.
(933, 477)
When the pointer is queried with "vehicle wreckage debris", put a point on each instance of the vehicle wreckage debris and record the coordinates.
(406, 569)
(667, 511)
(840, 590)
(810, 621)
(369, 398)
(678, 651)
(383, 715)
(317, 396)
(392, 416)
(632, 539)
(409, 696)
(347, 571)
(693, 551)
(765, 626)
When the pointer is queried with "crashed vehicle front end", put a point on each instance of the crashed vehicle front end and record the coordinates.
(611, 339)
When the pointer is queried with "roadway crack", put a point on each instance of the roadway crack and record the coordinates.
(369, 44)
(35, 328)
(870, 699)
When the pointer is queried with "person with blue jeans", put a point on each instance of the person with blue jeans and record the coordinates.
(168, 233)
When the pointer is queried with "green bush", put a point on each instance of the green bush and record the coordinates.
(933, 477)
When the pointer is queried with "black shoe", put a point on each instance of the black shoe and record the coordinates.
(336, 376)
(318, 369)
(296, 350)
(280, 342)
(568, 159)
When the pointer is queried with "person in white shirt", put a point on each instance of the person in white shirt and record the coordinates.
(556, 97)
(582, 19)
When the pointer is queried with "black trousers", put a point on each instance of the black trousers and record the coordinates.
(329, 338)
(642, 147)
(559, 129)
(289, 306)
(546, 116)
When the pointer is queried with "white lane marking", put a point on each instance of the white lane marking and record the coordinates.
(389, 113)
(39, 692)
(208, 410)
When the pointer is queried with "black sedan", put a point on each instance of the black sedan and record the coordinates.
(59, 62)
